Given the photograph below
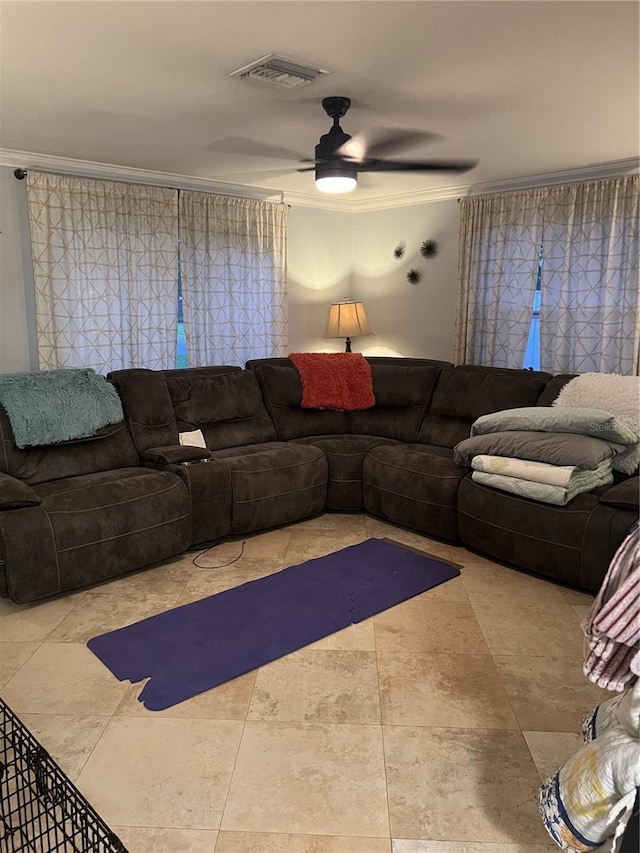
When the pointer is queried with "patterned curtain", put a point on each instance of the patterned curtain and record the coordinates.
(106, 265)
(233, 268)
(500, 239)
(590, 305)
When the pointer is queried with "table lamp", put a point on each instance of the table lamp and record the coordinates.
(347, 320)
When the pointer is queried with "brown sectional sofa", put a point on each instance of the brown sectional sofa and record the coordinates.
(86, 511)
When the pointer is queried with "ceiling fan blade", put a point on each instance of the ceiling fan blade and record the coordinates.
(354, 150)
(242, 145)
(307, 169)
(382, 142)
(416, 166)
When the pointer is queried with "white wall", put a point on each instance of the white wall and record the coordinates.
(319, 269)
(17, 314)
(407, 319)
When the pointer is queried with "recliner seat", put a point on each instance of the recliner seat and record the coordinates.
(83, 512)
(245, 480)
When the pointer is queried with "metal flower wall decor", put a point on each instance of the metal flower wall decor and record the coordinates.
(428, 249)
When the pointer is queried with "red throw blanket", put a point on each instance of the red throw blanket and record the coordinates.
(339, 380)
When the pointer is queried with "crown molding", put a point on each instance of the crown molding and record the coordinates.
(609, 169)
(90, 169)
(69, 166)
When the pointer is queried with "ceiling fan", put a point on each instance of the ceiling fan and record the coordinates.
(339, 157)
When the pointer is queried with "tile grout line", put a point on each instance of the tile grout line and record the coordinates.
(384, 755)
(24, 663)
(235, 760)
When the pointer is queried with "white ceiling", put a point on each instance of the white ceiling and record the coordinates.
(524, 87)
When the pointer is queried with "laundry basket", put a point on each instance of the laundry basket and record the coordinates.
(41, 811)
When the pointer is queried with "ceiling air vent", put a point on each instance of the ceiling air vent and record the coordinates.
(280, 72)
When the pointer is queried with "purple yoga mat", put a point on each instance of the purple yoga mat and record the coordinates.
(198, 646)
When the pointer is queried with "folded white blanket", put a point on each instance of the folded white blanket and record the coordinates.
(524, 469)
(544, 492)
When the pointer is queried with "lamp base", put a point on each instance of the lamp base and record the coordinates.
(347, 347)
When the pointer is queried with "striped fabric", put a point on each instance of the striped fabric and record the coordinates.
(612, 626)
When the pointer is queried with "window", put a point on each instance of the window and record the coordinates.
(532, 355)
(182, 359)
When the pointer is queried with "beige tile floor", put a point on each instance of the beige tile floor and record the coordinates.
(426, 729)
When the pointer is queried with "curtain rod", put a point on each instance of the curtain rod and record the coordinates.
(21, 174)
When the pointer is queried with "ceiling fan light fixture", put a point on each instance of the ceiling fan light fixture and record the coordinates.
(336, 177)
(336, 184)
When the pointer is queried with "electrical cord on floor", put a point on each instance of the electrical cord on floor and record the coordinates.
(222, 565)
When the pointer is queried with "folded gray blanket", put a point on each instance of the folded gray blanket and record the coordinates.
(583, 451)
(576, 420)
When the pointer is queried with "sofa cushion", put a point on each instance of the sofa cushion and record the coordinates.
(535, 536)
(272, 483)
(402, 388)
(107, 449)
(553, 387)
(403, 394)
(228, 408)
(111, 522)
(345, 455)
(415, 486)
(464, 393)
(147, 406)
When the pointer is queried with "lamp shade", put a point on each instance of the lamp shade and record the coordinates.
(347, 320)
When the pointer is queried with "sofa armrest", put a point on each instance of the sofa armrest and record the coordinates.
(625, 495)
(14, 494)
(174, 454)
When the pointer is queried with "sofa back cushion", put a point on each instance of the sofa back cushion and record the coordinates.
(403, 394)
(223, 401)
(553, 387)
(110, 447)
(148, 410)
(228, 408)
(402, 388)
(464, 393)
(282, 393)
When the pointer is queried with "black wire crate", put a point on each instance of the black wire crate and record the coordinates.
(41, 811)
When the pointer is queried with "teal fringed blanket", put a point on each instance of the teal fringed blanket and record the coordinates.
(58, 405)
